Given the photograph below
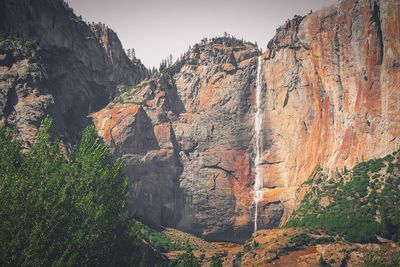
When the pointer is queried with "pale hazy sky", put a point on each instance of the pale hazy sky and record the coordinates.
(156, 28)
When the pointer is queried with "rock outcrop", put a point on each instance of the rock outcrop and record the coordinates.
(186, 136)
(332, 94)
(330, 100)
(52, 62)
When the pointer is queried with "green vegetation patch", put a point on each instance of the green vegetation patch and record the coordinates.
(186, 259)
(358, 205)
(158, 240)
(59, 211)
(126, 91)
(28, 42)
(216, 261)
(381, 258)
(126, 94)
(302, 240)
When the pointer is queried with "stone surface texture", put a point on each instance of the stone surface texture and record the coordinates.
(330, 99)
(53, 63)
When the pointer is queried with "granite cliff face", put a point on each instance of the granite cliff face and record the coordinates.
(52, 62)
(186, 137)
(330, 99)
(331, 94)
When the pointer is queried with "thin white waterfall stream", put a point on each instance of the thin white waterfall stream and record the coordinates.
(258, 183)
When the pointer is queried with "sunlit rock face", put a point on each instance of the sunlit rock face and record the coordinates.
(330, 98)
(53, 63)
(186, 137)
(332, 95)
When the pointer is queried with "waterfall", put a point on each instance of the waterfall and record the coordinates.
(258, 183)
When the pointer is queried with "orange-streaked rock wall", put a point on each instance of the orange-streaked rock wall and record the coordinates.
(331, 98)
(332, 91)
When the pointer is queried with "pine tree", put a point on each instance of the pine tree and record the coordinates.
(163, 65)
(186, 259)
(216, 261)
(62, 212)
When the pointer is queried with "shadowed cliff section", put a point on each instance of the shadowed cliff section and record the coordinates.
(53, 63)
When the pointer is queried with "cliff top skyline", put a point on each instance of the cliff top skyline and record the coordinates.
(156, 29)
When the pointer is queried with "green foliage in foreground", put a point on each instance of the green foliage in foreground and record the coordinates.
(2, 36)
(216, 261)
(381, 258)
(363, 204)
(59, 212)
(186, 259)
